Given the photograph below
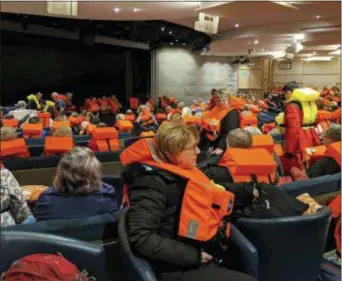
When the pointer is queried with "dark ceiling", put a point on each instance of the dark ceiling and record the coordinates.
(154, 33)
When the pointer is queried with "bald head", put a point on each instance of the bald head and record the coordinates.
(239, 138)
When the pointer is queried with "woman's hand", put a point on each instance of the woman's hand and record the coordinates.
(205, 257)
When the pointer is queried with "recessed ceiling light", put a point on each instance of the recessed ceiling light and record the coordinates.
(237, 25)
(317, 17)
(162, 28)
(116, 10)
(176, 40)
(314, 53)
(262, 50)
(171, 43)
(256, 42)
(135, 10)
(184, 44)
(170, 32)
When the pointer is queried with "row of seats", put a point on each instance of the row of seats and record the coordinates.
(263, 245)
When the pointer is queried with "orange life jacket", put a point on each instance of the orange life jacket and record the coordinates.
(130, 117)
(312, 156)
(237, 103)
(146, 119)
(92, 106)
(151, 103)
(106, 139)
(114, 104)
(278, 149)
(133, 103)
(62, 97)
(90, 128)
(335, 207)
(334, 151)
(59, 124)
(149, 134)
(58, 145)
(337, 115)
(212, 121)
(10, 123)
(248, 120)
(324, 118)
(242, 163)
(255, 109)
(44, 119)
(76, 120)
(263, 141)
(103, 103)
(124, 125)
(32, 130)
(204, 205)
(16, 148)
(190, 120)
(266, 128)
(161, 117)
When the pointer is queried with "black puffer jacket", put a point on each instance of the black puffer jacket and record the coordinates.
(155, 202)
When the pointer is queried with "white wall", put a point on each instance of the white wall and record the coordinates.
(309, 74)
(187, 76)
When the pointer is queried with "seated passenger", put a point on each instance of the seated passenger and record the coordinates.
(237, 139)
(63, 132)
(78, 191)
(327, 165)
(13, 207)
(89, 124)
(157, 173)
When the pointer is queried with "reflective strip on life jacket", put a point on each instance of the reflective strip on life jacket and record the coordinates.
(124, 126)
(16, 148)
(58, 145)
(248, 120)
(10, 123)
(149, 134)
(106, 139)
(204, 206)
(59, 124)
(32, 130)
(263, 141)
(130, 117)
(161, 117)
(334, 151)
(133, 103)
(44, 119)
(242, 163)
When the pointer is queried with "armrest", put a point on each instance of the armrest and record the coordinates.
(249, 253)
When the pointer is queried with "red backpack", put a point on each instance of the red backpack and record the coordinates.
(44, 267)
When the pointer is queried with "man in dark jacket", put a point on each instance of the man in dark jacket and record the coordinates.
(327, 165)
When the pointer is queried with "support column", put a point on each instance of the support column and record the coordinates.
(154, 76)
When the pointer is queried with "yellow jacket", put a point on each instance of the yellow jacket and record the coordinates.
(48, 104)
(307, 98)
(33, 97)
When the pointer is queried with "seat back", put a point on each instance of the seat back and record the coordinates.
(44, 119)
(10, 123)
(136, 268)
(17, 244)
(290, 248)
(118, 183)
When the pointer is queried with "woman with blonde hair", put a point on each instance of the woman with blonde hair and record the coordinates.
(77, 191)
(161, 175)
(224, 118)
